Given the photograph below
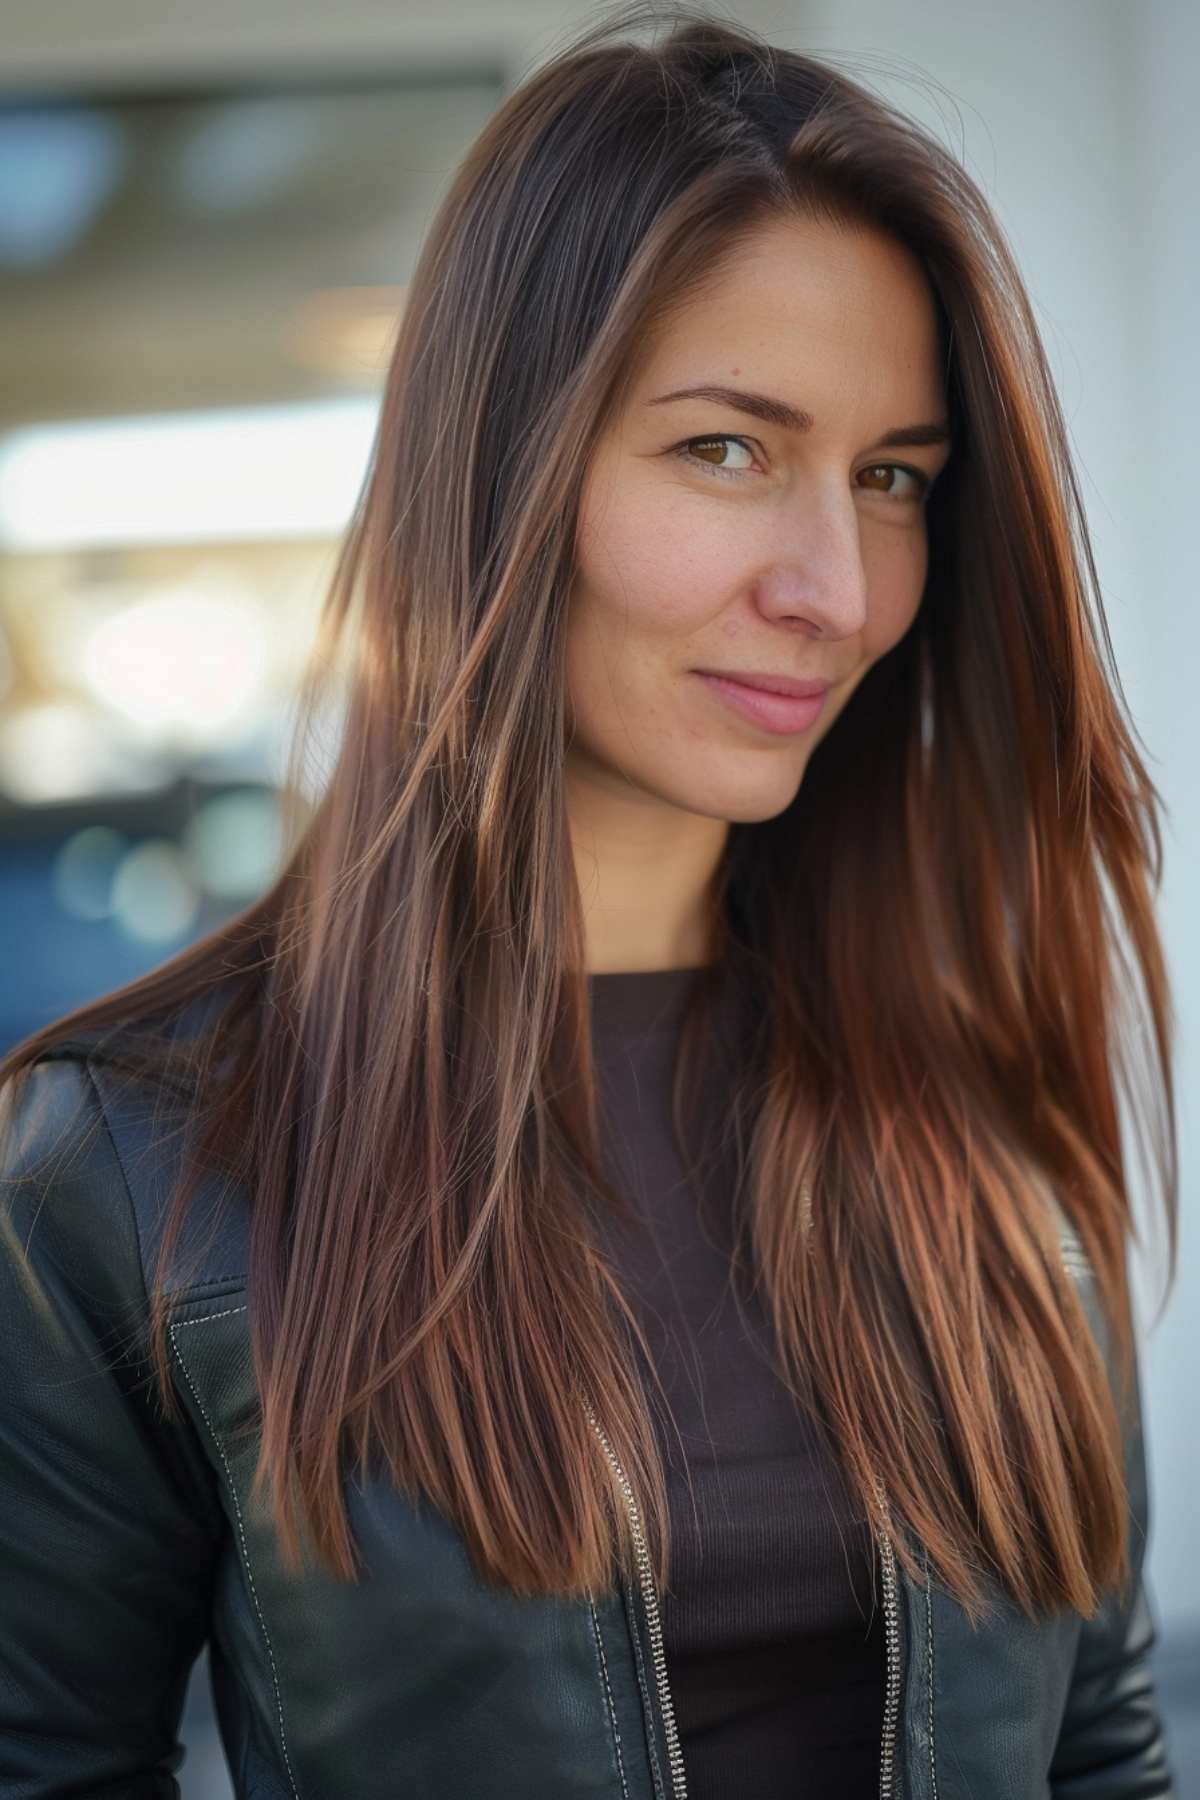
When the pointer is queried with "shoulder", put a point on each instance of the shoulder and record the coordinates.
(59, 1164)
(91, 1153)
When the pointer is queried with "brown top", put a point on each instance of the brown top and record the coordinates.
(772, 1621)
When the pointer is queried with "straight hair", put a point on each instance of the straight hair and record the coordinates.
(948, 936)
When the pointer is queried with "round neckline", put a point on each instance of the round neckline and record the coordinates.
(643, 974)
(640, 1000)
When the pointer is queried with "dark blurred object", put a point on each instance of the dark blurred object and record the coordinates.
(93, 895)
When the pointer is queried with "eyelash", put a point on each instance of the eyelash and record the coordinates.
(684, 452)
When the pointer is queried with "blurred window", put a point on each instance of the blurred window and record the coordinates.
(199, 291)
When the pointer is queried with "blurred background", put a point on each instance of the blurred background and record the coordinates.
(207, 219)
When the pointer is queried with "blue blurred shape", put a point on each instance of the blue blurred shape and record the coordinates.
(57, 171)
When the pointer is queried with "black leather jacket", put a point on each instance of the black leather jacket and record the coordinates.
(125, 1544)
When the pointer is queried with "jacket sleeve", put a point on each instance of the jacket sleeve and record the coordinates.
(110, 1519)
(1112, 1743)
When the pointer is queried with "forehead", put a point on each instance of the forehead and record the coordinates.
(824, 311)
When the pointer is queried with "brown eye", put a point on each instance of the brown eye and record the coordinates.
(693, 450)
(923, 481)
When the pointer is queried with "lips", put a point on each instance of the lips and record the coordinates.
(768, 683)
(780, 714)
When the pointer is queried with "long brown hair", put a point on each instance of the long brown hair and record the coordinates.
(944, 932)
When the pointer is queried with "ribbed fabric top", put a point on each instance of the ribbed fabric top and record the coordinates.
(772, 1620)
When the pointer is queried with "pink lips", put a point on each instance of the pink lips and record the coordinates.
(782, 713)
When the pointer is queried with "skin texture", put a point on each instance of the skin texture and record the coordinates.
(807, 559)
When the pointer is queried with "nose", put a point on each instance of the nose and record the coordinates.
(816, 578)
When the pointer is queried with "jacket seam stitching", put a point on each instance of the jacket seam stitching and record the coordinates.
(647, 1704)
(207, 1320)
(612, 1711)
(210, 1281)
(220, 1448)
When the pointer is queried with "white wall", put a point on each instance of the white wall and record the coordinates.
(1080, 121)
(1163, 273)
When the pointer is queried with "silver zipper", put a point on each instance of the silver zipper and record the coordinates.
(891, 1613)
(891, 1706)
(658, 1657)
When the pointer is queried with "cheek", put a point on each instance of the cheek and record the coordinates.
(648, 568)
(896, 590)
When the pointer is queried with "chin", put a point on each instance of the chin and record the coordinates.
(745, 806)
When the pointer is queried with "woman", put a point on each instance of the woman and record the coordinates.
(610, 1278)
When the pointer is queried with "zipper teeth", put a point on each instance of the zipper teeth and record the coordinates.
(887, 1763)
(892, 1638)
(658, 1656)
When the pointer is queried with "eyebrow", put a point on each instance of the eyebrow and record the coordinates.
(778, 412)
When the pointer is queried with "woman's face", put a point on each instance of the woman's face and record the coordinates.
(791, 549)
